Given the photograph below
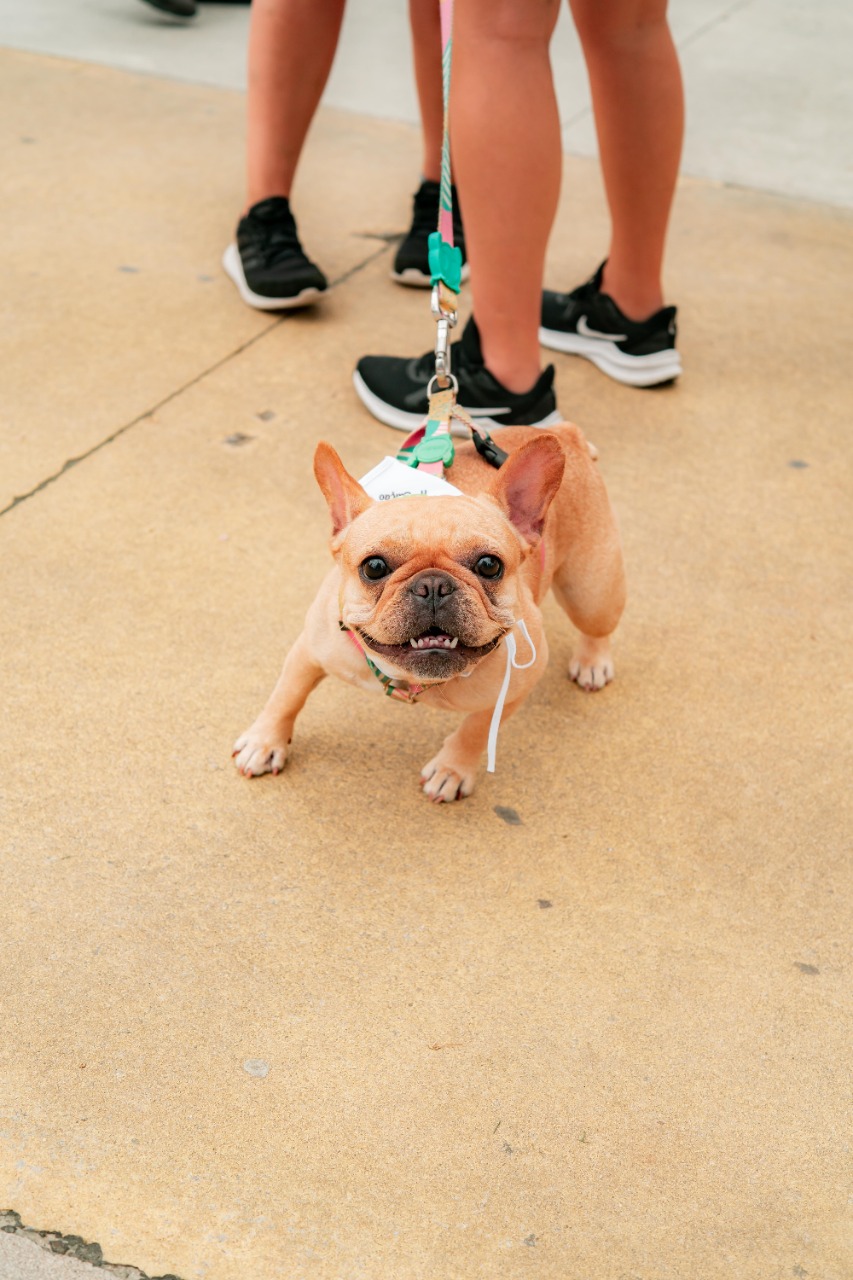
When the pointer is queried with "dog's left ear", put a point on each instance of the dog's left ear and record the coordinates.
(345, 496)
(527, 483)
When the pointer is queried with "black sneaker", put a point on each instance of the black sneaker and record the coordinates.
(411, 264)
(268, 264)
(394, 389)
(587, 322)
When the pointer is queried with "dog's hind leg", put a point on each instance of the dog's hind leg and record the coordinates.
(263, 747)
(590, 586)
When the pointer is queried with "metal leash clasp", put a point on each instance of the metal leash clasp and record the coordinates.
(445, 318)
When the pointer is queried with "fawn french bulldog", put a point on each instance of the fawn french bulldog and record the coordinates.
(425, 594)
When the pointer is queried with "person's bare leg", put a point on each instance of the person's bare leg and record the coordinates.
(638, 102)
(292, 46)
(507, 159)
(426, 52)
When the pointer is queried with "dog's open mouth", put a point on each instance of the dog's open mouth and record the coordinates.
(433, 644)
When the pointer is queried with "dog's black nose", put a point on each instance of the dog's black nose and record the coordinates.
(432, 586)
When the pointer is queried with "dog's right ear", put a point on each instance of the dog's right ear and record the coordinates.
(345, 496)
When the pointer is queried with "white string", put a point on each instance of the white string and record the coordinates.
(511, 661)
(522, 666)
(511, 651)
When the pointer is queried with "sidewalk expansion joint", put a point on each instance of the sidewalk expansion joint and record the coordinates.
(70, 463)
(716, 21)
(74, 1247)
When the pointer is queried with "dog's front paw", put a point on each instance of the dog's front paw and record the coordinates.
(591, 677)
(256, 752)
(444, 779)
(592, 666)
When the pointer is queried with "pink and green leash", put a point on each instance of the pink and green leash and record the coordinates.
(430, 447)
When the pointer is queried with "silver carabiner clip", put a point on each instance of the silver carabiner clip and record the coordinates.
(445, 321)
(450, 315)
(442, 350)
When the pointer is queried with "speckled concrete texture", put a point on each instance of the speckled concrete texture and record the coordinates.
(119, 205)
(312, 1026)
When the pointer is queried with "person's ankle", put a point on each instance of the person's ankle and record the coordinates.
(636, 298)
(519, 379)
(514, 373)
(254, 198)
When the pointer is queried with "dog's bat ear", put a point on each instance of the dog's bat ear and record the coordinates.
(345, 496)
(527, 483)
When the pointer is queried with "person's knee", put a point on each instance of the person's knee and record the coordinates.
(508, 21)
(617, 21)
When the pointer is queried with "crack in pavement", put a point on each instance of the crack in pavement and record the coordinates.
(716, 21)
(149, 413)
(74, 1247)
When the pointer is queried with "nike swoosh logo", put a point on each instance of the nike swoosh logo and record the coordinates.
(585, 332)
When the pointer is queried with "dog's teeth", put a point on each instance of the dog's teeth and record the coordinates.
(434, 642)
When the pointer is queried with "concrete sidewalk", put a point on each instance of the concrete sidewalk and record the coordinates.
(604, 1037)
(769, 94)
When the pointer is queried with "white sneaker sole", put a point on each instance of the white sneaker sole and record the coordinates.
(233, 267)
(403, 421)
(633, 371)
(416, 279)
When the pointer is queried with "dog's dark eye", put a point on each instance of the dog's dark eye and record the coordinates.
(374, 568)
(489, 567)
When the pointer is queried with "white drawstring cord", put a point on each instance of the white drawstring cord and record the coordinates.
(511, 654)
(511, 650)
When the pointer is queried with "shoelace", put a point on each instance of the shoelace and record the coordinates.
(276, 239)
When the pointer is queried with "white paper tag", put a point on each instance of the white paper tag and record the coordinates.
(393, 479)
